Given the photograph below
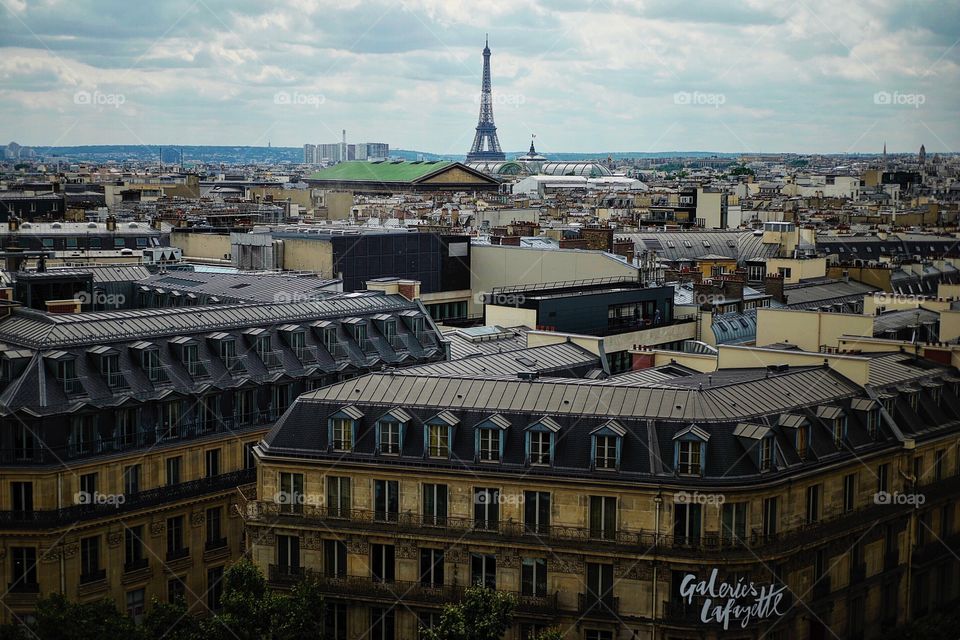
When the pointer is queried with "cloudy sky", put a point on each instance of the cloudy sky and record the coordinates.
(584, 75)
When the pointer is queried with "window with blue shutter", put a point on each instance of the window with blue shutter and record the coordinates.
(541, 442)
(342, 428)
(690, 451)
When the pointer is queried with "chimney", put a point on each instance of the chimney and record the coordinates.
(111, 223)
(13, 223)
(774, 287)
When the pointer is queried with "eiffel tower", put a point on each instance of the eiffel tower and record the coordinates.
(486, 147)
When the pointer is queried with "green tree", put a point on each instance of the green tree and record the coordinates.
(300, 615)
(483, 614)
(56, 618)
(549, 634)
(170, 621)
(246, 605)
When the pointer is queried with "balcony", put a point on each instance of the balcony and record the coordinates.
(157, 374)
(215, 544)
(593, 605)
(306, 356)
(140, 500)
(397, 343)
(136, 565)
(271, 359)
(410, 593)
(234, 365)
(337, 350)
(284, 576)
(93, 576)
(72, 386)
(24, 586)
(178, 554)
(196, 369)
(118, 380)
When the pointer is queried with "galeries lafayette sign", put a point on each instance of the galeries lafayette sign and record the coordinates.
(725, 602)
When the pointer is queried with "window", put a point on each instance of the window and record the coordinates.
(136, 605)
(734, 521)
(341, 430)
(438, 441)
(338, 496)
(536, 512)
(249, 460)
(133, 557)
(131, 479)
(605, 452)
(386, 500)
(838, 427)
(288, 554)
(599, 584)
(88, 488)
(540, 447)
(597, 634)
(389, 438)
(212, 463)
(290, 495)
(687, 523)
(883, 471)
(125, 428)
(175, 548)
(214, 588)
(382, 562)
(689, 457)
(770, 517)
(486, 508)
(24, 442)
(435, 504)
(84, 438)
(24, 568)
(21, 494)
(334, 558)
(173, 470)
(483, 570)
(766, 454)
(813, 503)
(873, 422)
(171, 415)
(489, 445)
(176, 590)
(603, 517)
(849, 492)
(214, 523)
(90, 559)
(533, 577)
(431, 567)
(382, 624)
(228, 353)
(802, 441)
(335, 621)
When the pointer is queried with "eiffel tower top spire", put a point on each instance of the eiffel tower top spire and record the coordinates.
(485, 146)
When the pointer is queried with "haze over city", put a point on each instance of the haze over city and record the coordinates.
(594, 76)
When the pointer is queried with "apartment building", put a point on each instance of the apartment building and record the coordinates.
(784, 502)
(125, 434)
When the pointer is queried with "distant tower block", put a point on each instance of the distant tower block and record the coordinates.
(923, 154)
(485, 144)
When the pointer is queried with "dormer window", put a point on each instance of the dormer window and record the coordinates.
(836, 421)
(296, 338)
(870, 410)
(541, 441)
(757, 439)
(66, 367)
(228, 354)
(489, 438)
(803, 441)
(690, 449)
(606, 442)
(390, 431)
(438, 434)
(342, 428)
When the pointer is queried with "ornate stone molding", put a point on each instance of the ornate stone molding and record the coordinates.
(358, 546)
(157, 528)
(197, 518)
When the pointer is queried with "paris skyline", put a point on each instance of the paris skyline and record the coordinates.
(807, 77)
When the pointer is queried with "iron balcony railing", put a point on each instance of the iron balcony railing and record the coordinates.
(640, 541)
(157, 374)
(72, 386)
(140, 500)
(93, 576)
(337, 350)
(118, 380)
(419, 593)
(397, 343)
(595, 605)
(196, 369)
(271, 359)
(305, 355)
